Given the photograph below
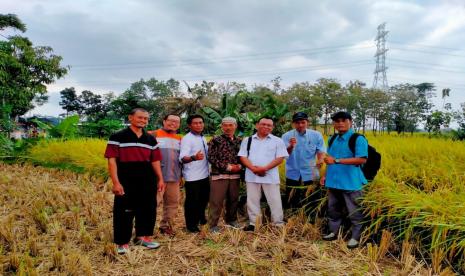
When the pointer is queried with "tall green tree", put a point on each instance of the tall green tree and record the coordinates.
(70, 101)
(25, 70)
(302, 97)
(329, 90)
(150, 94)
(407, 108)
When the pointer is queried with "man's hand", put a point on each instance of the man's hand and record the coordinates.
(319, 163)
(161, 185)
(292, 142)
(199, 155)
(329, 160)
(260, 171)
(322, 181)
(117, 189)
(235, 168)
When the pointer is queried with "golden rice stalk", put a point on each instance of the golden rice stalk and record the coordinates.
(33, 248)
(58, 260)
(14, 262)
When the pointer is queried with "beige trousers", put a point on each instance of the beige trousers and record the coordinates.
(170, 199)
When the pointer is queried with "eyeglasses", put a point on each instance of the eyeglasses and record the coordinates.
(173, 121)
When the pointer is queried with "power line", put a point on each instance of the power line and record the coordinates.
(256, 56)
(426, 52)
(425, 46)
(258, 72)
(427, 63)
(420, 66)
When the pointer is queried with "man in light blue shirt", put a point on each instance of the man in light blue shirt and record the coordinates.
(344, 178)
(303, 145)
(261, 161)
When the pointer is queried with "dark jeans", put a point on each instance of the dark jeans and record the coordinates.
(197, 194)
(220, 190)
(337, 200)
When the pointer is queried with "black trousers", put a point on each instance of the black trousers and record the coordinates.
(139, 203)
(197, 194)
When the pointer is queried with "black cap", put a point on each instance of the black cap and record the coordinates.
(299, 116)
(341, 115)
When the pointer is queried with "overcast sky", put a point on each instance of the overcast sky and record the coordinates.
(111, 44)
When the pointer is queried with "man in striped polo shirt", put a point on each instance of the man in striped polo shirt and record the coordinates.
(134, 167)
(170, 144)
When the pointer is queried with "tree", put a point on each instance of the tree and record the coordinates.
(11, 21)
(410, 105)
(355, 100)
(152, 94)
(302, 97)
(378, 108)
(25, 70)
(70, 101)
(436, 120)
(425, 91)
(329, 90)
(92, 104)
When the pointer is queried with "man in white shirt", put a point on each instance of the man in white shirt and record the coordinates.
(194, 150)
(261, 160)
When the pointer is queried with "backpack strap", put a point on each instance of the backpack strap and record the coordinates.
(352, 141)
(249, 144)
(331, 140)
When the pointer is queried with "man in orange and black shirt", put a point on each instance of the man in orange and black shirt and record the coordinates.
(134, 167)
(169, 143)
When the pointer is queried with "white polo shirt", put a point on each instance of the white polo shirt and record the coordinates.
(262, 152)
(190, 145)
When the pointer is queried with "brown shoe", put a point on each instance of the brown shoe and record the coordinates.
(167, 231)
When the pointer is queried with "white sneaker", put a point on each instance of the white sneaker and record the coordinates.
(330, 237)
(353, 243)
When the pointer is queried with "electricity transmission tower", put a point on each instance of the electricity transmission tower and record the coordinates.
(380, 80)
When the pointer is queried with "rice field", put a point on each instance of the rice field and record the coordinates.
(415, 210)
(55, 222)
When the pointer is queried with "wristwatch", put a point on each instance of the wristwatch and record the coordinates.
(337, 160)
(193, 157)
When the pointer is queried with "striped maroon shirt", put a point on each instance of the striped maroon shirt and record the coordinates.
(126, 147)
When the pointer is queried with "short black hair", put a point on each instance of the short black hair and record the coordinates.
(134, 110)
(192, 117)
(341, 115)
(264, 117)
(170, 114)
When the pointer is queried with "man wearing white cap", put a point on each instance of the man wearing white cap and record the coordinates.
(225, 175)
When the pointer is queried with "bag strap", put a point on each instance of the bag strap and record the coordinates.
(249, 144)
(331, 140)
(352, 141)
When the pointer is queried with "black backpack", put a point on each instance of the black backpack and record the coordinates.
(373, 164)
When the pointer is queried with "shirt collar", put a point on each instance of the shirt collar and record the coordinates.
(201, 134)
(347, 135)
(300, 134)
(131, 131)
(256, 136)
(227, 137)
